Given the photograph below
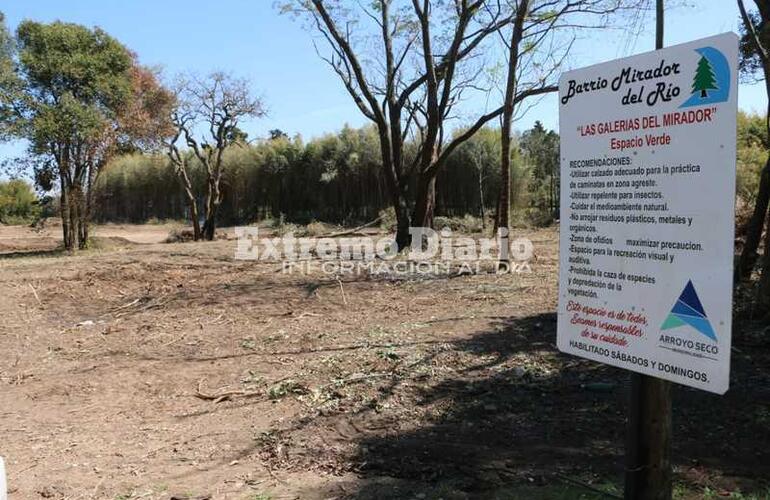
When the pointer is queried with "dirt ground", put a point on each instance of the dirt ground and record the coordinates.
(142, 369)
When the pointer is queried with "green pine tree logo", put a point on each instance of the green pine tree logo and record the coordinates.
(704, 78)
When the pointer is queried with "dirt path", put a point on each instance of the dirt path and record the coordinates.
(365, 388)
(25, 239)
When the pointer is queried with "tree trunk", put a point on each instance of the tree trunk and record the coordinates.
(192, 204)
(194, 217)
(403, 238)
(481, 200)
(87, 203)
(213, 200)
(552, 195)
(390, 146)
(64, 201)
(757, 222)
(67, 236)
(754, 227)
(209, 225)
(425, 200)
(504, 218)
(83, 240)
(764, 280)
(754, 230)
(504, 204)
(82, 217)
(74, 218)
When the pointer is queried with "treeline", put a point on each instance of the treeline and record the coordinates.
(336, 178)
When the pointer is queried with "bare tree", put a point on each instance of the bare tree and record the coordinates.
(408, 63)
(406, 73)
(206, 120)
(180, 160)
(755, 52)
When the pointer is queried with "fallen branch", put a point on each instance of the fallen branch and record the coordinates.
(34, 292)
(351, 231)
(223, 396)
(310, 314)
(355, 379)
(149, 303)
(272, 474)
(342, 289)
(587, 486)
(125, 306)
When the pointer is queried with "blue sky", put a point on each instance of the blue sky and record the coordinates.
(251, 40)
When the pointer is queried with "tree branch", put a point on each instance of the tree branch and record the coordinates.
(483, 120)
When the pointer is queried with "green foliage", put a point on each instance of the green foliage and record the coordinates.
(473, 172)
(18, 203)
(466, 224)
(521, 197)
(6, 41)
(286, 388)
(476, 162)
(752, 130)
(138, 188)
(78, 96)
(388, 220)
(336, 178)
(9, 83)
(540, 149)
(74, 81)
(711, 494)
(752, 154)
(750, 61)
(65, 58)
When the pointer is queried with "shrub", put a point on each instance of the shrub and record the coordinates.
(18, 202)
(464, 224)
(388, 219)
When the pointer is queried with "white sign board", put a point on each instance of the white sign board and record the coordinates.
(647, 211)
(3, 486)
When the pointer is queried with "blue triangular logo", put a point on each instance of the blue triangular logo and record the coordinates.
(688, 310)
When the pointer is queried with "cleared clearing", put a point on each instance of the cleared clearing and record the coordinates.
(142, 369)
